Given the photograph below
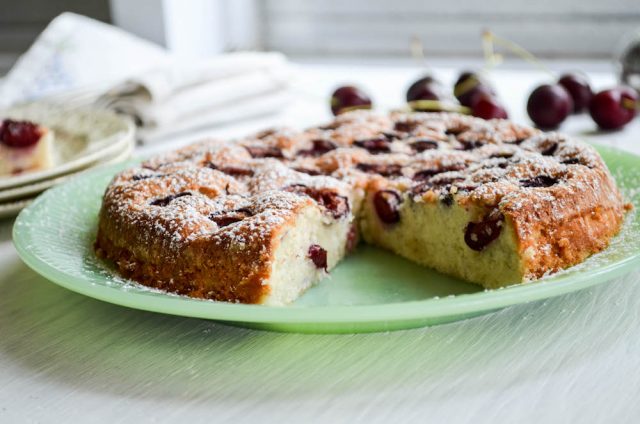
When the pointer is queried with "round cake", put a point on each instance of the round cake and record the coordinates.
(263, 218)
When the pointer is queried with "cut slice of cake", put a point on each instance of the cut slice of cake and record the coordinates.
(200, 232)
(494, 224)
(24, 147)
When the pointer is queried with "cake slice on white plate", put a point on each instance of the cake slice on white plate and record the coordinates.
(24, 147)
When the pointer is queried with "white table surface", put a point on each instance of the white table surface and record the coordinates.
(575, 358)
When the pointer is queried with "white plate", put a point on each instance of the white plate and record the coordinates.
(12, 208)
(35, 188)
(83, 136)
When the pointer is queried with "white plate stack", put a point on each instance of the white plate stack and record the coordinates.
(84, 138)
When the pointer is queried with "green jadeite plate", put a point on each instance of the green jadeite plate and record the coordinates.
(371, 290)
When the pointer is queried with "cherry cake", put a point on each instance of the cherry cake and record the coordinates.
(24, 146)
(263, 218)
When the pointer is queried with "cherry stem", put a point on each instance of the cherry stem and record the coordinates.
(352, 108)
(490, 40)
(417, 51)
(465, 86)
(437, 105)
(630, 104)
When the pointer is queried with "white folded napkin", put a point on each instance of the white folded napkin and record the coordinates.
(223, 114)
(76, 54)
(225, 88)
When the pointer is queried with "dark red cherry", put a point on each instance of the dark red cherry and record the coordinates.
(19, 133)
(264, 151)
(421, 145)
(549, 149)
(227, 218)
(164, 201)
(428, 95)
(349, 98)
(470, 85)
(477, 93)
(319, 147)
(422, 87)
(488, 107)
(405, 126)
(614, 108)
(579, 90)
(539, 181)
(374, 146)
(479, 235)
(471, 144)
(318, 256)
(549, 105)
(387, 204)
(338, 206)
(571, 161)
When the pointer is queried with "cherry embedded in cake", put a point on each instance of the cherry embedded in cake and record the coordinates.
(263, 218)
(24, 147)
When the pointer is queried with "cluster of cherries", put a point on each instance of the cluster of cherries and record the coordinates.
(471, 94)
(548, 105)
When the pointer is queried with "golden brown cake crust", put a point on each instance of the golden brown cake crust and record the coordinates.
(205, 220)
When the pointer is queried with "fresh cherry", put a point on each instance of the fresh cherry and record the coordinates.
(426, 88)
(428, 97)
(549, 105)
(614, 108)
(428, 100)
(477, 93)
(465, 76)
(19, 133)
(349, 98)
(579, 90)
(469, 86)
(488, 107)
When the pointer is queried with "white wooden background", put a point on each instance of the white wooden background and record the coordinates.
(550, 28)
(575, 358)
